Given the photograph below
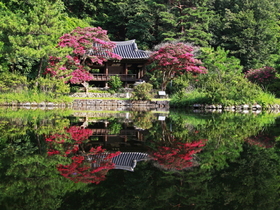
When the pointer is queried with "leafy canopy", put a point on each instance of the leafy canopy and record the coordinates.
(173, 59)
(86, 46)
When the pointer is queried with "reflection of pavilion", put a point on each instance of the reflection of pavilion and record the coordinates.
(125, 160)
(127, 139)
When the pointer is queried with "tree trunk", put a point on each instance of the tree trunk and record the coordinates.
(40, 67)
(86, 86)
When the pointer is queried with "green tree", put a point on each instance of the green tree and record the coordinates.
(189, 21)
(249, 29)
(30, 31)
(142, 92)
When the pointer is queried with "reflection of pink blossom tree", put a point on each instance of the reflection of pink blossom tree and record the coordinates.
(173, 59)
(261, 140)
(89, 45)
(87, 167)
(81, 170)
(177, 155)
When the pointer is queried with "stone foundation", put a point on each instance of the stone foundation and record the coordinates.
(87, 104)
(98, 104)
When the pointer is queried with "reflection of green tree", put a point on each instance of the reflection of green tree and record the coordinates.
(146, 188)
(114, 126)
(225, 133)
(29, 180)
(251, 182)
(143, 120)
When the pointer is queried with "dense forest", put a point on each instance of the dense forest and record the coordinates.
(248, 31)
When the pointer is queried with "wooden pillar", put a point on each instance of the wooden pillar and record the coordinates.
(106, 73)
(144, 69)
(126, 73)
(106, 69)
(125, 69)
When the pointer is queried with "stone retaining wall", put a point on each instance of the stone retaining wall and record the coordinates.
(98, 104)
(101, 95)
(236, 107)
(118, 104)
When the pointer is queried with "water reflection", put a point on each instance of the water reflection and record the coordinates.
(203, 161)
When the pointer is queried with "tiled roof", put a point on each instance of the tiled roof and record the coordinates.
(129, 50)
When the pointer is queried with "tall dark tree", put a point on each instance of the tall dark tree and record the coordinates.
(190, 21)
(249, 29)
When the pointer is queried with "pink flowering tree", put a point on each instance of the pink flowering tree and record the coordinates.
(173, 59)
(86, 47)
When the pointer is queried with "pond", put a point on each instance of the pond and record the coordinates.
(67, 159)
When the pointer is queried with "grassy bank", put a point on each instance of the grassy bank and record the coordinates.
(33, 96)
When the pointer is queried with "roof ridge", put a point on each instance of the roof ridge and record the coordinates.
(132, 41)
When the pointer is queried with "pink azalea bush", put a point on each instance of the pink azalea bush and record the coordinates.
(267, 78)
(263, 75)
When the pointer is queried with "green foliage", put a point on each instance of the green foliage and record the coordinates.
(180, 84)
(115, 83)
(10, 82)
(183, 99)
(30, 33)
(32, 96)
(99, 91)
(249, 29)
(219, 61)
(142, 92)
(225, 133)
(75, 89)
(143, 120)
(154, 77)
(224, 84)
(114, 126)
(273, 87)
(52, 86)
(188, 21)
(230, 89)
(266, 77)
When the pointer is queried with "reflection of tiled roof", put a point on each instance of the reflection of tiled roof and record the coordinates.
(129, 50)
(128, 160)
(125, 160)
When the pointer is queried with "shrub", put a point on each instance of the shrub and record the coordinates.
(262, 76)
(115, 83)
(222, 89)
(267, 78)
(52, 86)
(142, 92)
(10, 82)
(186, 99)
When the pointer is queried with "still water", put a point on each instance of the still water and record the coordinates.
(66, 160)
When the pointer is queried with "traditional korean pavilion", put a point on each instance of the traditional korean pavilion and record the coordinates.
(130, 68)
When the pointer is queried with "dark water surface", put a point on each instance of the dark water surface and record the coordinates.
(79, 160)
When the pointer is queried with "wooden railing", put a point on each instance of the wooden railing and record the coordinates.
(104, 131)
(123, 77)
